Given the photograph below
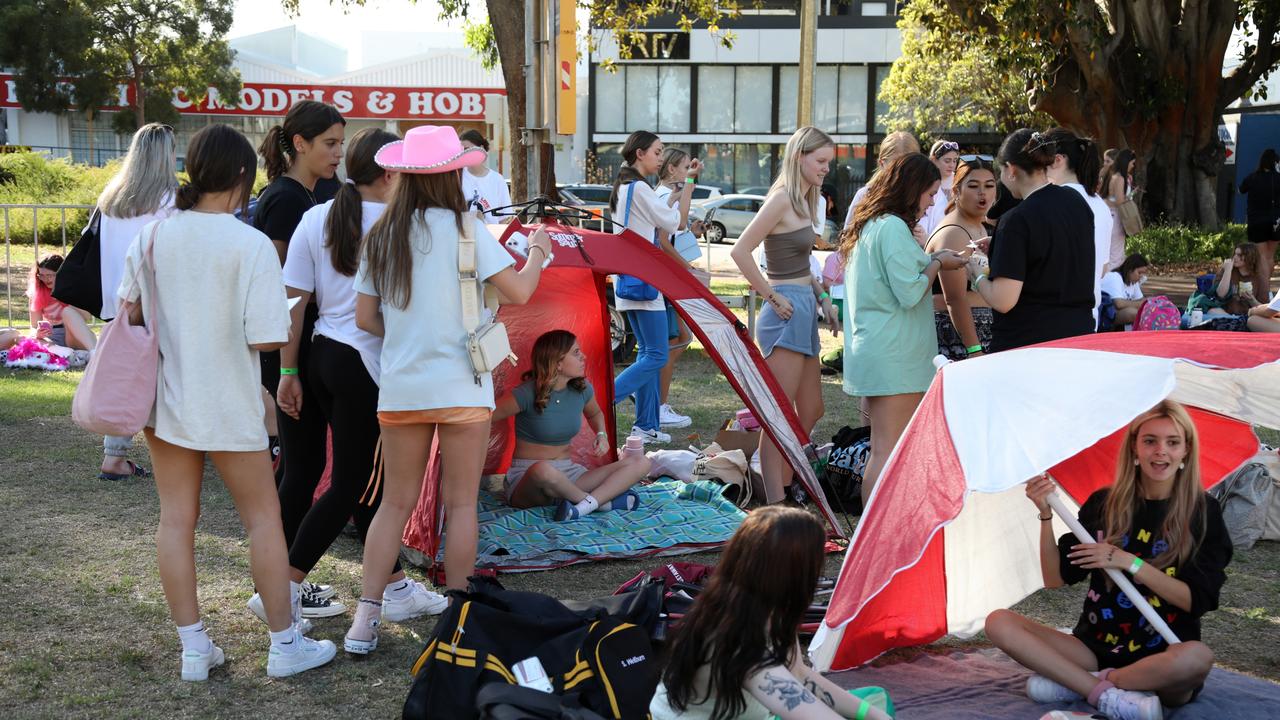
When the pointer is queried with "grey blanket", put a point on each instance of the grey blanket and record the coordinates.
(987, 684)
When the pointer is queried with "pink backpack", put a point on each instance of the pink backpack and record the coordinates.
(1158, 313)
(118, 390)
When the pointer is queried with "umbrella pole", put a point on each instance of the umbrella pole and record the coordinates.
(1116, 576)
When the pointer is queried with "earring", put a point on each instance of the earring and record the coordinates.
(1137, 463)
(1182, 466)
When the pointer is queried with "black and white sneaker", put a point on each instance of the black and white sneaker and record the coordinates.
(324, 592)
(314, 606)
(796, 494)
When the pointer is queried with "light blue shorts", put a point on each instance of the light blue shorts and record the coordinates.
(800, 332)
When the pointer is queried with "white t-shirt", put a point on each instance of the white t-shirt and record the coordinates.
(484, 193)
(938, 210)
(218, 290)
(424, 358)
(1113, 285)
(649, 213)
(114, 237)
(1102, 221)
(309, 268)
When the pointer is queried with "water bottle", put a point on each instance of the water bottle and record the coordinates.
(633, 446)
(1197, 317)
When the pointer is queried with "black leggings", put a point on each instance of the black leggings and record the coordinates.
(302, 441)
(347, 397)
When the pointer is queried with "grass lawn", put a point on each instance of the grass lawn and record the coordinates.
(87, 631)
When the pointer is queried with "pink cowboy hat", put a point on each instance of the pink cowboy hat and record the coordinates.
(428, 149)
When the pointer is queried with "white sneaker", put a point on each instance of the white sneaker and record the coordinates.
(651, 436)
(196, 664)
(672, 419)
(256, 607)
(1120, 704)
(1043, 690)
(363, 647)
(324, 592)
(420, 602)
(310, 654)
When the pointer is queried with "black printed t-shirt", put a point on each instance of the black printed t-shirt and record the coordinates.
(282, 203)
(1110, 625)
(1046, 241)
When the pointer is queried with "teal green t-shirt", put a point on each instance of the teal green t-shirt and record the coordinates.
(558, 423)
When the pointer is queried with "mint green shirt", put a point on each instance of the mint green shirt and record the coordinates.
(889, 334)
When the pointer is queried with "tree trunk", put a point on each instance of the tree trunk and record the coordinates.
(507, 19)
(140, 99)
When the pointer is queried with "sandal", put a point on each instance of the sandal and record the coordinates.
(137, 471)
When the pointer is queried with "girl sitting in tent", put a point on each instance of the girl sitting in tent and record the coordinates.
(1157, 523)
(549, 407)
(735, 655)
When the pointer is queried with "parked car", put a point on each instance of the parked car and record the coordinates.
(726, 216)
(591, 198)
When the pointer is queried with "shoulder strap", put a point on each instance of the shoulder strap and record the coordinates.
(965, 229)
(468, 281)
(626, 215)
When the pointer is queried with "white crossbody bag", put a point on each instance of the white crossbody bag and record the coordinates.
(487, 344)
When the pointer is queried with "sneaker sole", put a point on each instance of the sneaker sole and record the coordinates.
(324, 612)
(360, 647)
(200, 674)
(678, 424)
(391, 617)
(295, 669)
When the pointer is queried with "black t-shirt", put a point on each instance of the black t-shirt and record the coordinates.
(1262, 196)
(1047, 243)
(1109, 623)
(282, 203)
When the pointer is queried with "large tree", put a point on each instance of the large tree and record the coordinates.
(155, 45)
(500, 38)
(1142, 74)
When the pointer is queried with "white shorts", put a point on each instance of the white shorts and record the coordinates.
(520, 466)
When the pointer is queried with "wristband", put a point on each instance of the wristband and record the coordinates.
(823, 296)
(602, 434)
(288, 371)
(974, 348)
(976, 282)
(1136, 566)
(550, 257)
(691, 181)
(1043, 518)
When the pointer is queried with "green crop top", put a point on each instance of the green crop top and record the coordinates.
(556, 425)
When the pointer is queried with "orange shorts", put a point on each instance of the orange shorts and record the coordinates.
(435, 416)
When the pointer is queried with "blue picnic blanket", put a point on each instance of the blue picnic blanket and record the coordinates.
(673, 518)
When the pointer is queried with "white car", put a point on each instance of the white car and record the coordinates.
(726, 216)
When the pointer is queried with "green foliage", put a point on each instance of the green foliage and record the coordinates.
(32, 178)
(479, 37)
(1182, 244)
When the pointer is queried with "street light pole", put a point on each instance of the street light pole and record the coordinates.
(808, 61)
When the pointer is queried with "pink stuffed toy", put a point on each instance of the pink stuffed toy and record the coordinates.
(29, 353)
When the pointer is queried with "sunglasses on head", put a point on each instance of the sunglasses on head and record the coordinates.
(945, 147)
(978, 160)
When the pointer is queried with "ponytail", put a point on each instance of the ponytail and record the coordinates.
(276, 152)
(307, 118)
(187, 197)
(1027, 150)
(344, 226)
(637, 141)
(1081, 154)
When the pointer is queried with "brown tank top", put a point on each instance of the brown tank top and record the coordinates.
(786, 255)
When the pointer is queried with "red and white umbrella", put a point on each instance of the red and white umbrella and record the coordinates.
(948, 535)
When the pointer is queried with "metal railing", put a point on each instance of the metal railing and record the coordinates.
(8, 213)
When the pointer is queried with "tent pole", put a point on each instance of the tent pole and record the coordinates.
(1116, 576)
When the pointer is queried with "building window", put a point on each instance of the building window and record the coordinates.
(611, 100)
(673, 98)
(642, 97)
(788, 98)
(753, 91)
(715, 99)
(851, 115)
(847, 175)
(738, 167)
(826, 97)
(882, 107)
(839, 98)
(95, 144)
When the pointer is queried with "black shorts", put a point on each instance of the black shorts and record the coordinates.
(1261, 231)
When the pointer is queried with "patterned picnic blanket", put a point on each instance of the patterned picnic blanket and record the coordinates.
(673, 518)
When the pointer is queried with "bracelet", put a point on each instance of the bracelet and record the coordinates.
(691, 181)
(602, 433)
(288, 371)
(974, 348)
(1136, 566)
(823, 296)
(1043, 518)
(537, 247)
(976, 282)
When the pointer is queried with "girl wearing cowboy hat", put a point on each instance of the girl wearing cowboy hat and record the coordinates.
(408, 294)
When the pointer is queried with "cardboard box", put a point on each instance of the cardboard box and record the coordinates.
(749, 443)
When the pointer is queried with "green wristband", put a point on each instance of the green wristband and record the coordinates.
(864, 707)
(823, 296)
(288, 371)
(1136, 566)
(973, 349)
(691, 181)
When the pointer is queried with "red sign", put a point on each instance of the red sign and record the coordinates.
(353, 101)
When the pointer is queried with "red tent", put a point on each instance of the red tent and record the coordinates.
(571, 295)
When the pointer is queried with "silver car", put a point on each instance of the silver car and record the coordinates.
(726, 216)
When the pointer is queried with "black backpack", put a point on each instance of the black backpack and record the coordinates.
(594, 660)
(842, 479)
(501, 701)
(79, 279)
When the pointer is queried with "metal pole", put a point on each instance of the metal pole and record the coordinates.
(532, 78)
(808, 61)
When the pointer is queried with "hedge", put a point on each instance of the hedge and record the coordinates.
(33, 178)
(1182, 244)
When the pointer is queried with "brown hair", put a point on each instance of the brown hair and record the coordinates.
(344, 225)
(748, 615)
(1027, 150)
(1249, 252)
(548, 350)
(1186, 504)
(636, 141)
(895, 190)
(307, 118)
(475, 138)
(388, 248)
(962, 173)
(219, 158)
(1081, 154)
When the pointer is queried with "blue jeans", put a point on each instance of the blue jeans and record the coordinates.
(644, 376)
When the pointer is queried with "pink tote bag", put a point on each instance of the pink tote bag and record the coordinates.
(118, 390)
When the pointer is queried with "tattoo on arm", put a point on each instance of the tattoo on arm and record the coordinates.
(821, 694)
(787, 690)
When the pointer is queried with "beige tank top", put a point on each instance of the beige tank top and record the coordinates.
(786, 255)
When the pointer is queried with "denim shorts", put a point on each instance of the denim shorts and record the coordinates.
(800, 332)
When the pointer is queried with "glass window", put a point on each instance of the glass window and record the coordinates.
(715, 99)
(642, 98)
(848, 174)
(611, 100)
(882, 107)
(825, 97)
(717, 162)
(752, 166)
(96, 143)
(875, 9)
(852, 117)
(673, 98)
(603, 163)
(788, 98)
(752, 104)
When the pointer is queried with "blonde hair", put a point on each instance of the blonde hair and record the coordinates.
(897, 144)
(802, 142)
(149, 175)
(1186, 503)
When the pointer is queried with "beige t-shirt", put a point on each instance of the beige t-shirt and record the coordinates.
(218, 290)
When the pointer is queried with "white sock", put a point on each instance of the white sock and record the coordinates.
(286, 640)
(194, 637)
(295, 602)
(398, 590)
(586, 505)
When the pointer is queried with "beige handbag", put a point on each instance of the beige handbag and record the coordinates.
(1130, 217)
(487, 343)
